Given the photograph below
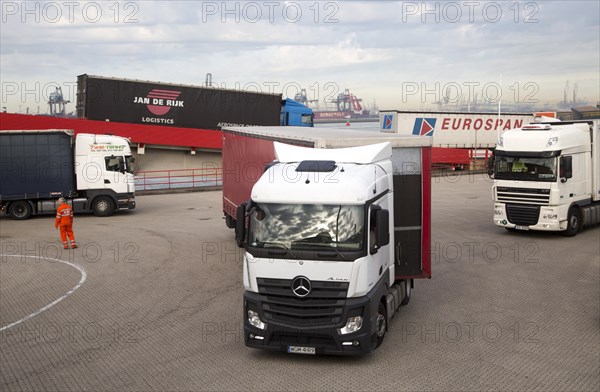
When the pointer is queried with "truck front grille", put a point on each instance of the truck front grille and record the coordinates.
(522, 215)
(324, 305)
(539, 197)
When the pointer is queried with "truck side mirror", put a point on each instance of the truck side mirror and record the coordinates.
(490, 165)
(566, 168)
(240, 225)
(382, 227)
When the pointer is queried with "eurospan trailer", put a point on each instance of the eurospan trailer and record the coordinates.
(93, 172)
(335, 229)
(547, 177)
(453, 129)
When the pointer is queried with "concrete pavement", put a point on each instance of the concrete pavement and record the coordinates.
(161, 307)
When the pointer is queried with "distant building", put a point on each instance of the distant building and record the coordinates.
(586, 112)
(565, 116)
(580, 113)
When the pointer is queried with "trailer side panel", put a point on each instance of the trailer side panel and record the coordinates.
(596, 160)
(36, 165)
(244, 160)
(151, 103)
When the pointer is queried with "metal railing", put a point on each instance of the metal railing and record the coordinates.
(178, 179)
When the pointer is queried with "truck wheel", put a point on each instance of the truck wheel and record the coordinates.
(20, 210)
(407, 293)
(381, 326)
(103, 206)
(573, 222)
(229, 222)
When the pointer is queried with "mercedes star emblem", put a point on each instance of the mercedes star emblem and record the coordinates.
(301, 286)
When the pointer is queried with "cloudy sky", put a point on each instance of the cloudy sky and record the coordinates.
(403, 55)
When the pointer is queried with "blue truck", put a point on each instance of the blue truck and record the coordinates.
(293, 113)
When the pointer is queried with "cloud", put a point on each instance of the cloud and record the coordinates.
(370, 47)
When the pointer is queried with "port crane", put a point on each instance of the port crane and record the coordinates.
(57, 103)
(303, 98)
(348, 102)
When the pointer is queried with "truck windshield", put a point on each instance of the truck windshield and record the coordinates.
(316, 227)
(525, 168)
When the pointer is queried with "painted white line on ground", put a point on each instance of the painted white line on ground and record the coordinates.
(51, 304)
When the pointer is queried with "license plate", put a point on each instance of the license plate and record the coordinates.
(301, 350)
(521, 227)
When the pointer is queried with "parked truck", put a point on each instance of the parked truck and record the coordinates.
(335, 230)
(294, 113)
(93, 172)
(547, 177)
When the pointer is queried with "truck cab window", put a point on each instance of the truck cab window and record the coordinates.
(307, 120)
(113, 163)
(129, 160)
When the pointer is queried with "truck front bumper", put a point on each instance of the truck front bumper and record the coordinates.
(318, 339)
(548, 219)
(126, 201)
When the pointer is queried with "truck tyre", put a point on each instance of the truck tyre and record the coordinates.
(103, 206)
(407, 293)
(381, 324)
(20, 210)
(573, 222)
(229, 222)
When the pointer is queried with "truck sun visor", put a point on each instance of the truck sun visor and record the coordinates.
(316, 166)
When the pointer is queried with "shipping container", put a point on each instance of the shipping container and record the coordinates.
(175, 105)
(38, 164)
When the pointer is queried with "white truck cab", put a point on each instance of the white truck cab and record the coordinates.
(546, 177)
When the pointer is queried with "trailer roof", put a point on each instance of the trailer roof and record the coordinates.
(175, 84)
(323, 137)
(450, 112)
(69, 132)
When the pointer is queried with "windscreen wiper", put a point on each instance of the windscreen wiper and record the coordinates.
(319, 248)
(278, 245)
(334, 248)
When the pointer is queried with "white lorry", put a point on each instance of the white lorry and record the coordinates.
(93, 172)
(333, 237)
(547, 177)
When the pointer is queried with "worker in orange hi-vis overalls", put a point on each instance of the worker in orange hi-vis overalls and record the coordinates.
(64, 220)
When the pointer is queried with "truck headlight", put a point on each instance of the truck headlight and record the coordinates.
(498, 212)
(548, 214)
(353, 324)
(255, 321)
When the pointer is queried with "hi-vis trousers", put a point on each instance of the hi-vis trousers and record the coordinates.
(67, 231)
